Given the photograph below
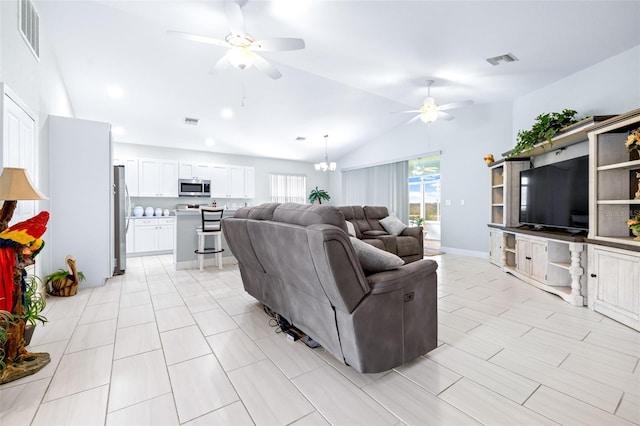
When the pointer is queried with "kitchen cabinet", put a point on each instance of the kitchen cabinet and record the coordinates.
(153, 235)
(496, 252)
(232, 181)
(194, 171)
(157, 178)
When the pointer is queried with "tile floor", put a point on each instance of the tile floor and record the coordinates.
(160, 347)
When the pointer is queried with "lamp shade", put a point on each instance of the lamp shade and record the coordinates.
(16, 185)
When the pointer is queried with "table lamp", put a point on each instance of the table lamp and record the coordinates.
(15, 185)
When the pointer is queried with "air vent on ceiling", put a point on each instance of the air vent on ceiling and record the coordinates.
(301, 138)
(509, 57)
(191, 121)
(30, 26)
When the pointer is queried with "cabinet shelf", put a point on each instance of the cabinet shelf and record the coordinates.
(562, 265)
(628, 165)
(510, 250)
(618, 202)
(498, 186)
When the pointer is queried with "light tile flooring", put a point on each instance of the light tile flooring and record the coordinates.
(160, 347)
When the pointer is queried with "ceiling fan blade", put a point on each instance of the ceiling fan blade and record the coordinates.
(402, 112)
(453, 105)
(235, 19)
(221, 65)
(198, 38)
(445, 116)
(413, 119)
(278, 44)
(266, 67)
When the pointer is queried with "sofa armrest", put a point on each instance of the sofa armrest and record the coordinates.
(413, 231)
(405, 276)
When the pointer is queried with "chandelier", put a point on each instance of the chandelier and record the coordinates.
(325, 165)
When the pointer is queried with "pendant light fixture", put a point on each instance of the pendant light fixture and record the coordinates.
(325, 165)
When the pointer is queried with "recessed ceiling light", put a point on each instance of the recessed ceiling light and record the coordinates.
(117, 131)
(210, 141)
(115, 92)
(227, 113)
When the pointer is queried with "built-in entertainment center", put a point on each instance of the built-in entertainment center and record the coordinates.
(561, 225)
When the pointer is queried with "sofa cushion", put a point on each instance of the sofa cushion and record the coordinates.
(351, 230)
(263, 211)
(309, 214)
(392, 225)
(373, 259)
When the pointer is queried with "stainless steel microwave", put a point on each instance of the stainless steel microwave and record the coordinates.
(194, 188)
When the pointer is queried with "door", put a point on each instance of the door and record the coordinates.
(539, 261)
(168, 179)
(19, 141)
(236, 176)
(220, 181)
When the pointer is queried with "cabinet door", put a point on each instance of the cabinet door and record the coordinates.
(524, 264)
(220, 181)
(131, 177)
(249, 182)
(186, 170)
(236, 180)
(496, 247)
(617, 282)
(203, 171)
(145, 238)
(538, 250)
(168, 179)
(148, 172)
(165, 237)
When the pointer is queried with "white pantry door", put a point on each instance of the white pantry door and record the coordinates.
(18, 148)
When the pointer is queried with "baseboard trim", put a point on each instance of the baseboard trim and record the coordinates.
(462, 252)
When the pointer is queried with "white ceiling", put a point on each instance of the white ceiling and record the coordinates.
(363, 61)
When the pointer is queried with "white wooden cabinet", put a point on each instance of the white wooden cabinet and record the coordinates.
(194, 171)
(232, 181)
(614, 284)
(548, 263)
(496, 252)
(153, 235)
(131, 178)
(505, 192)
(157, 178)
(532, 258)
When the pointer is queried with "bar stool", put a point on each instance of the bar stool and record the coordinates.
(211, 217)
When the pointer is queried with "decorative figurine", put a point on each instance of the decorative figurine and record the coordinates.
(488, 159)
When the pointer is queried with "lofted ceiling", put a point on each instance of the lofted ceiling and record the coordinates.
(363, 61)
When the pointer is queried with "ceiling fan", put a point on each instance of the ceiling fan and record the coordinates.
(242, 46)
(430, 111)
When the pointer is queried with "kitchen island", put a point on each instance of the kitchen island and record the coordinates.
(186, 240)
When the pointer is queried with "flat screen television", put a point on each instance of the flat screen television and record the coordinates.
(556, 195)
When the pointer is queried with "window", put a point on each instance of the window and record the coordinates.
(288, 188)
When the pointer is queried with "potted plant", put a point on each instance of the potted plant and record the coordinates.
(6, 318)
(34, 304)
(64, 283)
(634, 226)
(545, 127)
(318, 195)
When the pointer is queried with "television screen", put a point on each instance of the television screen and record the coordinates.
(556, 195)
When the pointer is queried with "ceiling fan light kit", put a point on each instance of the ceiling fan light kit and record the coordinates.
(242, 47)
(430, 111)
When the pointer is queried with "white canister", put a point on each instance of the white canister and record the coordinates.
(138, 211)
(158, 211)
(148, 211)
(166, 212)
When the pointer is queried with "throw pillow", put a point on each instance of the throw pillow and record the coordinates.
(351, 230)
(392, 225)
(373, 259)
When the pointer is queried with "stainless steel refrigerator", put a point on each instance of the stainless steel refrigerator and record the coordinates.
(121, 221)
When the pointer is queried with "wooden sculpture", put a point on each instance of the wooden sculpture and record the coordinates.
(63, 283)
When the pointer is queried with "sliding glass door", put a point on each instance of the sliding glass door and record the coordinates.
(424, 195)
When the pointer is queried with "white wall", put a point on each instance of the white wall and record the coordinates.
(608, 87)
(40, 86)
(463, 142)
(263, 166)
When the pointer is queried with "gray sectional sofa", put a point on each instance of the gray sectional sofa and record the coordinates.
(299, 261)
(409, 245)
